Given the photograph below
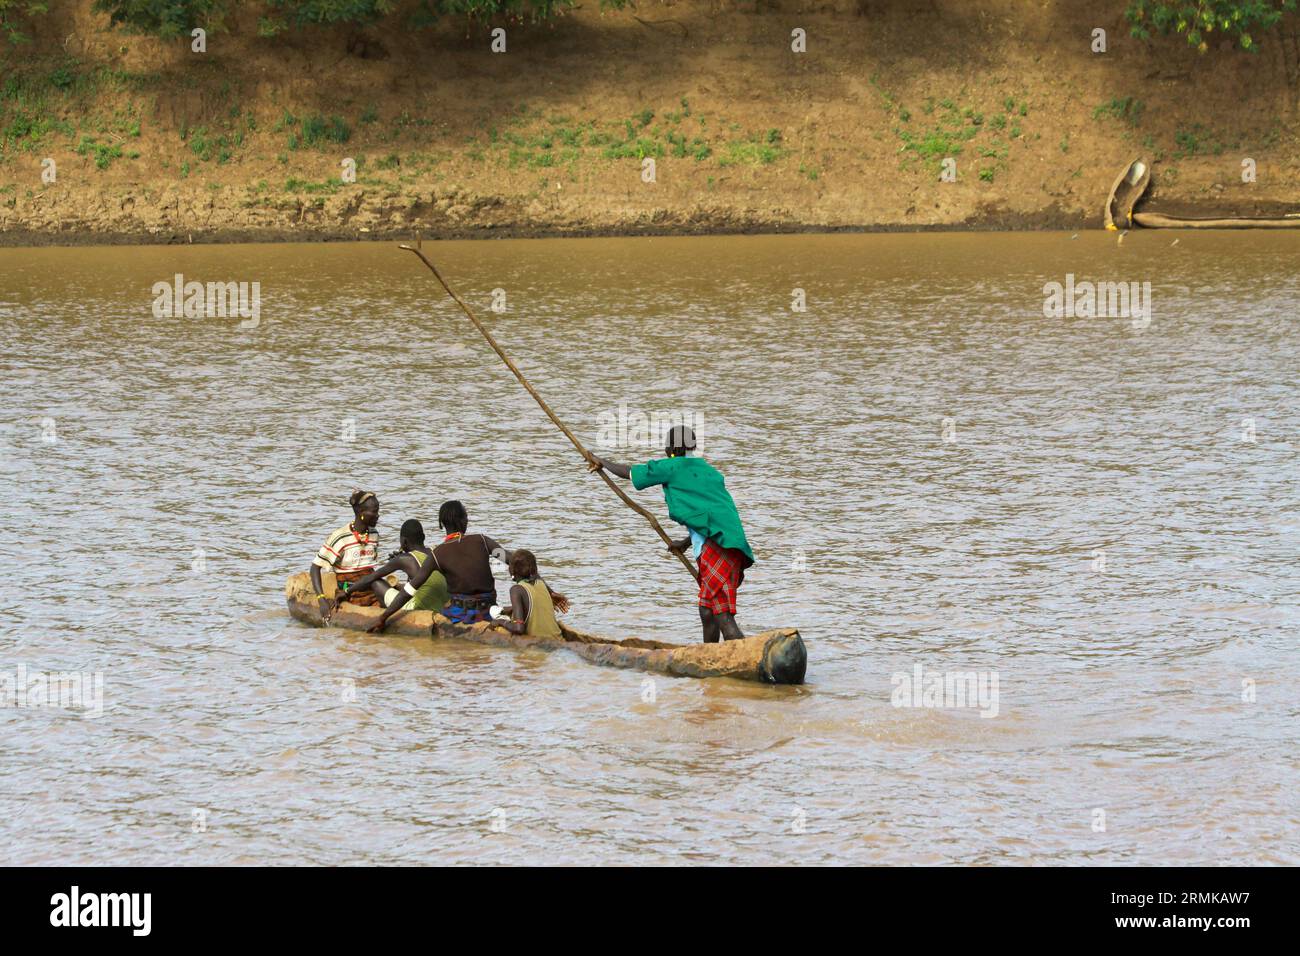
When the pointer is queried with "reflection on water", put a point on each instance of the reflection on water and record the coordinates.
(1094, 523)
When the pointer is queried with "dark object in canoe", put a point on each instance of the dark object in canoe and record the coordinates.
(1131, 185)
(773, 657)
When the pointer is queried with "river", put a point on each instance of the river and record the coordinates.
(1099, 514)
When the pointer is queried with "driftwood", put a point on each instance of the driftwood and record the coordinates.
(773, 657)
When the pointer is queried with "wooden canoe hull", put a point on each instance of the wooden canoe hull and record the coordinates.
(773, 657)
(1155, 220)
(1131, 185)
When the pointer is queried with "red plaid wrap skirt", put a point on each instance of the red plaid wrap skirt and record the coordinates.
(721, 571)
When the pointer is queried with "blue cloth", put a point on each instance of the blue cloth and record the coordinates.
(470, 608)
(697, 542)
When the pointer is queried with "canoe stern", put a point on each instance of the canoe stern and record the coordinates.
(785, 659)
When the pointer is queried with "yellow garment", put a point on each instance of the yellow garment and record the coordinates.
(541, 611)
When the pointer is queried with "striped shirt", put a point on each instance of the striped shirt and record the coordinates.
(345, 550)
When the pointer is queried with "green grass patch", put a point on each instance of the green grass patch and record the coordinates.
(1196, 141)
(316, 131)
(682, 148)
(103, 153)
(749, 153)
(954, 129)
(25, 132)
(41, 97)
(638, 148)
(319, 130)
(331, 185)
(1127, 109)
(207, 147)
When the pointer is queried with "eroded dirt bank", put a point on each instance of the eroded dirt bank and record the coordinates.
(154, 143)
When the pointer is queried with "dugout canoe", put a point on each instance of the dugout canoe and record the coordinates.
(772, 657)
(1131, 185)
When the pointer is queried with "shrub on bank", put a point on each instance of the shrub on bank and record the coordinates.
(1198, 19)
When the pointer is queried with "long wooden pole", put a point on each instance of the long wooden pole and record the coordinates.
(686, 562)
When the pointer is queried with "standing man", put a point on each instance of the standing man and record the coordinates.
(697, 497)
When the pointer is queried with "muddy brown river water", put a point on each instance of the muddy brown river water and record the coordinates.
(1094, 516)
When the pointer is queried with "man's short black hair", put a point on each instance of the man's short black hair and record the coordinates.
(452, 517)
(413, 531)
(681, 439)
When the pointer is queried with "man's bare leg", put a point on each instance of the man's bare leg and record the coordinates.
(728, 626)
(710, 623)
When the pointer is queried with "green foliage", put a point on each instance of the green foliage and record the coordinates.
(317, 130)
(1195, 141)
(945, 139)
(1197, 19)
(25, 131)
(681, 148)
(314, 131)
(959, 128)
(13, 12)
(104, 153)
(638, 148)
(173, 18)
(751, 152)
(35, 97)
(62, 78)
(164, 18)
(200, 145)
(425, 13)
(333, 11)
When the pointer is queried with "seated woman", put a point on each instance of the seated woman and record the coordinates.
(531, 610)
(463, 559)
(425, 588)
(351, 553)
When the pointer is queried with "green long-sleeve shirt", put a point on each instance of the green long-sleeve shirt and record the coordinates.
(697, 497)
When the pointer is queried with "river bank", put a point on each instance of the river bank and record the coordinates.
(251, 140)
